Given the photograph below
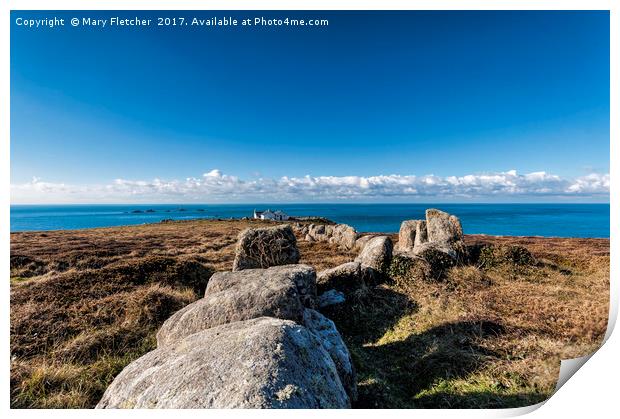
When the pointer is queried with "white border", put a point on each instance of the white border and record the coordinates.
(594, 391)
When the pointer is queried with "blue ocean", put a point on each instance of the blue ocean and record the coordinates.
(550, 220)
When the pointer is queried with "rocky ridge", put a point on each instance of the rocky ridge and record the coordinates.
(256, 339)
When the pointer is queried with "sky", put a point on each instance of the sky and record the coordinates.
(473, 106)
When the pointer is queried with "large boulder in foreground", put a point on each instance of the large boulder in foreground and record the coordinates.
(243, 295)
(265, 247)
(325, 330)
(259, 363)
(377, 254)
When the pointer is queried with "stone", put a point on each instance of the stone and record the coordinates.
(421, 233)
(303, 276)
(330, 298)
(345, 278)
(243, 295)
(345, 236)
(340, 234)
(265, 247)
(444, 247)
(360, 242)
(407, 235)
(325, 330)
(318, 229)
(377, 254)
(443, 227)
(258, 363)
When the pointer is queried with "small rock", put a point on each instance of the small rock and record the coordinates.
(346, 277)
(361, 242)
(330, 298)
(319, 229)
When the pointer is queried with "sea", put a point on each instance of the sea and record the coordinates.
(548, 220)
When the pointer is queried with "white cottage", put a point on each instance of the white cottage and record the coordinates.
(271, 215)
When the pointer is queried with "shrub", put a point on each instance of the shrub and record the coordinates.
(487, 257)
(439, 263)
(405, 269)
(518, 255)
(491, 256)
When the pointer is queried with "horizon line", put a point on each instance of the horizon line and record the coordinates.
(314, 203)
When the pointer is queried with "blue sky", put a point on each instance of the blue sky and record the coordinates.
(378, 102)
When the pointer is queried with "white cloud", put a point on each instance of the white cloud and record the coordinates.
(592, 183)
(214, 186)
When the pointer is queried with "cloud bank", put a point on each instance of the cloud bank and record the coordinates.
(215, 186)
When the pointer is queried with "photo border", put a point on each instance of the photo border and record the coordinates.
(571, 400)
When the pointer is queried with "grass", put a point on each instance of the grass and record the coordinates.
(86, 303)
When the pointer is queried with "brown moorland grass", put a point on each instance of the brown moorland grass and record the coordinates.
(85, 303)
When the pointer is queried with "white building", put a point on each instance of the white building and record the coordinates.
(270, 215)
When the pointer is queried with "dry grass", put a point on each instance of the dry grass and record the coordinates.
(86, 303)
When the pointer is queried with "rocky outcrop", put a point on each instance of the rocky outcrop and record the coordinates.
(342, 235)
(265, 247)
(253, 341)
(439, 232)
(258, 363)
(429, 248)
(369, 268)
(244, 295)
